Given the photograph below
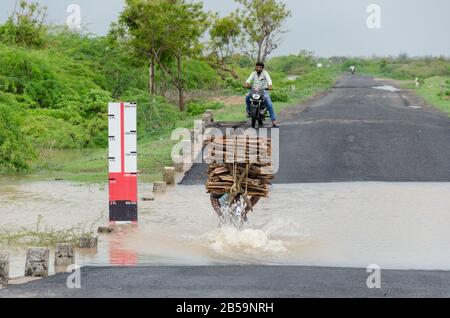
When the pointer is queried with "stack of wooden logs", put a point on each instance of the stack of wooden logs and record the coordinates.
(239, 165)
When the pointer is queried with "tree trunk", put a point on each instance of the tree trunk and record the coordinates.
(152, 84)
(259, 51)
(180, 84)
(176, 79)
(181, 97)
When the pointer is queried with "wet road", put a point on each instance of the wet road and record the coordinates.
(237, 282)
(359, 133)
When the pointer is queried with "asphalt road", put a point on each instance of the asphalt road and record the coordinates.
(354, 133)
(237, 282)
(358, 133)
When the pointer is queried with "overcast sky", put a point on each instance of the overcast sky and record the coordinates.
(327, 27)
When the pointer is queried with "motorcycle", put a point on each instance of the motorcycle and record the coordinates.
(258, 106)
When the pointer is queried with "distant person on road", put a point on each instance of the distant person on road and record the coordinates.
(261, 78)
(353, 69)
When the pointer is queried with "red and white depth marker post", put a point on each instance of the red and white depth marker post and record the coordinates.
(122, 163)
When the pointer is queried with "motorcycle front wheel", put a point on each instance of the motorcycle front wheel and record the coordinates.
(254, 117)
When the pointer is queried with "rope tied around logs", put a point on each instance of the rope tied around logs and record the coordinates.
(236, 188)
(242, 178)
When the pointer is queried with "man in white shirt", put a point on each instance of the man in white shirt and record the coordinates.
(261, 78)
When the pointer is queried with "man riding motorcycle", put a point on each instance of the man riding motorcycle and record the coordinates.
(261, 78)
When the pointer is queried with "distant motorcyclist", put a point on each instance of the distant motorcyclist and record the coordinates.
(353, 69)
(261, 78)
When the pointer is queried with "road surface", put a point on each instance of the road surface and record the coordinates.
(237, 282)
(358, 133)
(354, 133)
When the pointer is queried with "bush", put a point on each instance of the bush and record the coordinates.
(235, 86)
(199, 108)
(44, 77)
(25, 27)
(279, 96)
(54, 133)
(292, 64)
(445, 93)
(154, 112)
(199, 75)
(95, 103)
(242, 61)
(62, 103)
(15, 150)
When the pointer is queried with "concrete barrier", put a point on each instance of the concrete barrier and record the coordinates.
(88, 242)
(64, 257)
(37, 262)
(169, 176)
(159, 187)
(179, 167)
(208, 120)
(4, 269)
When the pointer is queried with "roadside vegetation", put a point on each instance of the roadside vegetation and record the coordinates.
(45, 237)
(55, 83)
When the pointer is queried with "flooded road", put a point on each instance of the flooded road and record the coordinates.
(394, 225)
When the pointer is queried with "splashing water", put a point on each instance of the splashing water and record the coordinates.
(233, 213)
(230, 240)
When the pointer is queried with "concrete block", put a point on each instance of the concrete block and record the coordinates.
(88, 242)
(64, 257)
(159, 187)
(207, 120)
(179, 167)
(169, 175)
(37, 262)
(4, 269)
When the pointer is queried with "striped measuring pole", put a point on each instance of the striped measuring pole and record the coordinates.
(122, 163)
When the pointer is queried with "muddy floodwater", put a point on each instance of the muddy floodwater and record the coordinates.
(394, 225)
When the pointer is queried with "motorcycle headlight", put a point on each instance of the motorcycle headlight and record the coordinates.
(256, 96)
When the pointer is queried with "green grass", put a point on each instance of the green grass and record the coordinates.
(430, 92)
(91, 165)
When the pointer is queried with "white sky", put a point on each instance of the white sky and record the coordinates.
(327, 27)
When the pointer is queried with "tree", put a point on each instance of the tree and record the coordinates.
(262, 22)
(25, 26)
(165, 32)
(224, 38)
(140, 20)
(186, 24)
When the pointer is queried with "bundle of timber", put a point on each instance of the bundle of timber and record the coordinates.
(239, 166)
